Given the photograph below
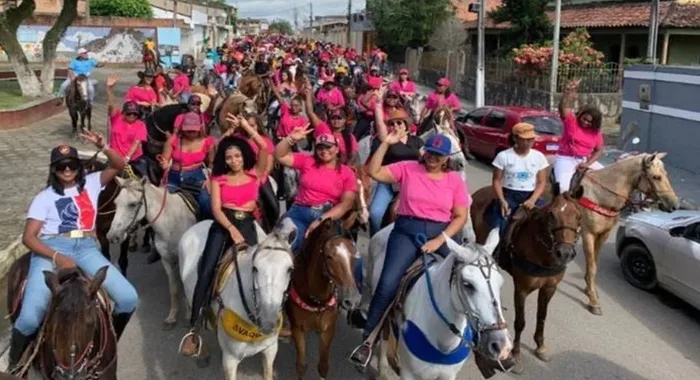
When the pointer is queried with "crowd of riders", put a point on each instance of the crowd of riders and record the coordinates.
(325, 99)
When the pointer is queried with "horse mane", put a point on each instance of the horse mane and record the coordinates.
(318, 238)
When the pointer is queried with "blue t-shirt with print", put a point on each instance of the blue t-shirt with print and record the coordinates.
(82, 66)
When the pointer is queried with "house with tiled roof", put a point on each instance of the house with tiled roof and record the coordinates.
(618, 28)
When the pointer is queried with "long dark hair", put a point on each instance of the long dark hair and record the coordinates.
(220, 167)
(596, 115)
(57, 186)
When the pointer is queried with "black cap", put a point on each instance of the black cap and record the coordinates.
(63, 152)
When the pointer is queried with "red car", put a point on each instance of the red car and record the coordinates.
(487, 128)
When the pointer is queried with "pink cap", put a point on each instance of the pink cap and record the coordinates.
(192, 121)
(403, 71)
(444, 82)
(375, 82)
(326, 139)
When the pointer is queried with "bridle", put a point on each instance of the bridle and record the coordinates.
(553, 229)
(133, 225)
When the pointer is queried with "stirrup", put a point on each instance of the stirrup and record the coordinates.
(361, 365)
(199, 346)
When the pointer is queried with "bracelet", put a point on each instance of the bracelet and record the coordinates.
(55, 253)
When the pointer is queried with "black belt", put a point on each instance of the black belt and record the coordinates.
(238, 215)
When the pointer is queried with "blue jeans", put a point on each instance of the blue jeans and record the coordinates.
(383, 194)
(88, 257)
(302, 217)
(514, 198)
(194, 178)
(91, 89)
(402, 250)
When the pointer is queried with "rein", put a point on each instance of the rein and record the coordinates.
(254, 317)
(144, 204)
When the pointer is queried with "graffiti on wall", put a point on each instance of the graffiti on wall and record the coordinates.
(115, 45)
(169, 46)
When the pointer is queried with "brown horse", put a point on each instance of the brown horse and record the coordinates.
(359, 215)
(236, 104)
(321, 281)
(7, 376)
(78, 103)
(542, 243)
(76, 339)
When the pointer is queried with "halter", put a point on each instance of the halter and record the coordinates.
(552, 230)
(142, 203)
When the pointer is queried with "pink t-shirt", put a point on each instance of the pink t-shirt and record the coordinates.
(330, 98)
(122, 135)
(436, 100)
(323, 128)
(406, 86)
(425, 198)
(241, 195)
(141, 94)
(289, 122)
(186, 159)
(577, 141)
(220, 68)
(181, 82)
(320, 184)
(367, 103)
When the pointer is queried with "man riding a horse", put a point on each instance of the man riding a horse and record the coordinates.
(81, 65)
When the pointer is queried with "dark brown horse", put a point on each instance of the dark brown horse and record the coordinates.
(77, 101)
(542, 242)
(321, 281)
(76, 339)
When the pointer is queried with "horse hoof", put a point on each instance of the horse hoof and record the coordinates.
(518, 368)
(542, 355)
(169, 325)
(203, 362)
(595, 310)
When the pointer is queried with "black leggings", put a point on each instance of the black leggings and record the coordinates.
(270, 206)
(362, 128)
(218, 240)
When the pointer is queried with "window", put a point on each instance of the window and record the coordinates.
(692, 232)
(545, 125)
(475, 117)
(496, 119)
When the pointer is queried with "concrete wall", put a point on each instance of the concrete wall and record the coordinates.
(671, 122)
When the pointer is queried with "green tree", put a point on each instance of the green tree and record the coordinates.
(407, 23)
(528, 20)
(281, 27)
(10, 20)
(121, 8)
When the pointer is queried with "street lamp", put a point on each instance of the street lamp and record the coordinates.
(480, 9)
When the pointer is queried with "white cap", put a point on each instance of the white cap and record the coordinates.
(82, 51)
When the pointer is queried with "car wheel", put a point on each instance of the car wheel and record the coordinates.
(638, 267)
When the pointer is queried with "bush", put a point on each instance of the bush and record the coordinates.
(121, 8)
(575, 50)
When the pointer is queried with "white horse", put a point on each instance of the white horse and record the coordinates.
(466, 287)
(265, 272)
(167, 214)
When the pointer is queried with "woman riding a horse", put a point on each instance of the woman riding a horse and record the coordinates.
(367, 102)
(60, 232)
(423, 222)
(403, 86)
(581, 141)
(327, 188)
(519, 179)
(127, 132)
(236, 179)
(347, 143)
(442, 95)
(143, 93)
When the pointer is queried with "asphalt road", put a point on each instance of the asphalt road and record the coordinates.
(637, 337)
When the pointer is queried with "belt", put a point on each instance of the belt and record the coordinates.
(238, 215)
(75, 234)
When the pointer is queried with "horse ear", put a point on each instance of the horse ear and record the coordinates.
(51, 280)
(661, 155)
(97, 281)
(556, 189)
(120, 181)
(144, 181)
(577, 192)
(492, 240)
(463, 253)
(287, 231)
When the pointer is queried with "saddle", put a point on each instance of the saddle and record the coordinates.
(224, 268)
(504, 251)
(189, 199)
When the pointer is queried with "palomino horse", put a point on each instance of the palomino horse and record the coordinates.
(78, 103)
(76, 339)
(170, 215)
(605, 193)
(322, 280)
(256, 88)
(236, 104)
(542, 243)
(452, 304)
(250, 293)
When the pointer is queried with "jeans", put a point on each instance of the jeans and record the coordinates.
(139, 166)
(383, 194)
(302, 217)
(402, 251)
(91, 89)
(363, 127)
(514, 198)
(87, 257)
(193, 178)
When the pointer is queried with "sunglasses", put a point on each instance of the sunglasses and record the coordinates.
(135, 114)
(337, 117)
(323, 146)
(195, 104)
(392, 97)
(63, 165)
(395, 123)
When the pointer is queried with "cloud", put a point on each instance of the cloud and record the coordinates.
(273, 9)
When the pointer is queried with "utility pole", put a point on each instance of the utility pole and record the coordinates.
(480, 81)
(555, 55)
(295, 14)
(349, 36)
(653, 32)
(174, 13)
(311, 19)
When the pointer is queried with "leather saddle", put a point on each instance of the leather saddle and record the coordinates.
(223, 272)
(504, 250)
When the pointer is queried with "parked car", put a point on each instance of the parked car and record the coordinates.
(658, 249)
(486, 129)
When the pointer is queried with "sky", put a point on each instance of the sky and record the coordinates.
(274, 9)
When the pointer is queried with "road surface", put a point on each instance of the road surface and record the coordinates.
(637, 338)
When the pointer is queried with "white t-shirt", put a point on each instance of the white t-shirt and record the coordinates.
(69, 212)
(520, 173)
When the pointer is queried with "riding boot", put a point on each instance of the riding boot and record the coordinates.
(270, 206)
(18, 344)
(153, 256)
(356, 319)
(217, 241)
(119, 322)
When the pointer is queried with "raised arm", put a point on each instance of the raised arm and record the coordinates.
(283, 151)
(568, 98)
(382, 131)
(111, 81)
(309, 104)
(115, 160)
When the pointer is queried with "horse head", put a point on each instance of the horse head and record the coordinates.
(75, 323)
(561, 220)
(272, 268)
(653, 181)
(80, 88)
(475, 284)
(331, 250)
(364, 185)
(131, 207)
